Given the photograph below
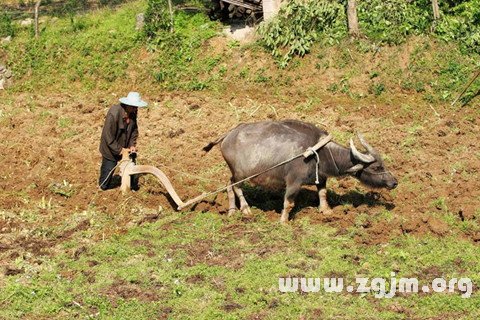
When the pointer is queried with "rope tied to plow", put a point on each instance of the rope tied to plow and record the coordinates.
(111, 171)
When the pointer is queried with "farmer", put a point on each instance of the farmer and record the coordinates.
(119, 135)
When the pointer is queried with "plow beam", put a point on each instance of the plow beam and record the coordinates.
(131, 169)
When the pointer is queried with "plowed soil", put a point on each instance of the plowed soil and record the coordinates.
(51, 143)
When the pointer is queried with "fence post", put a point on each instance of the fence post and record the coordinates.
(170, 8)
(436, 10)
(37, 7)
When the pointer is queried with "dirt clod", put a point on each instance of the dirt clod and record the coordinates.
(11, 271)
(437, 226)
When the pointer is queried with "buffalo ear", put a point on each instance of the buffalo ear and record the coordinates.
(355, 168)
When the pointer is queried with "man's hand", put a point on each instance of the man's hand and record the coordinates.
(133, 149)
(125, 152)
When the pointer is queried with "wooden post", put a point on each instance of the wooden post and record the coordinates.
(37, 7)
(436, 10)
(352, 18)
(170, 8)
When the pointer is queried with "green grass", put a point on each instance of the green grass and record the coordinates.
(102, 49)
(230, 269)
(75, 50)
(97, 49)
(180, 63)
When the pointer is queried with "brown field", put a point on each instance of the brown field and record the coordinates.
(51, 139)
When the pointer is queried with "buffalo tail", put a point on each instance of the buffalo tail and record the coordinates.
(209, 146)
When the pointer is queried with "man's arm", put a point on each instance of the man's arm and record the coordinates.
(133, 139)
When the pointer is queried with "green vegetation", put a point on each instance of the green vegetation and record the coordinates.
(392, 21)
(163, 269)
(180, 64)
(299, 24)
(6, 25)
(104, 49)
(302, 23)
(96, 50)
(157, 19)
(178, 41)
(90, 49)
(121, 265)
(462, 23)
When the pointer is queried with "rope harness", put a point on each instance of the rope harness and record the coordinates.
(316, 167)
(333, 161)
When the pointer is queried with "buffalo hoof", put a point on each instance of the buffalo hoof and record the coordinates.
(325, 211)
(246, 211)
(283, 220)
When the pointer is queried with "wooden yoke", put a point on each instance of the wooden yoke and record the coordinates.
(320, 144)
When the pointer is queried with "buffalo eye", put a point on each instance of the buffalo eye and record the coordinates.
(376, 168)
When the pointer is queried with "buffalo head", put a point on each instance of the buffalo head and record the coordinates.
(369, 167)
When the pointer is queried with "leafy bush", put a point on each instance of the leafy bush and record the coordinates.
(6, 25)
(157, 18)
(462, 23)
(391, 21)
(299, 24)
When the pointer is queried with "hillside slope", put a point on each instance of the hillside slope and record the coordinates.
(51, 121)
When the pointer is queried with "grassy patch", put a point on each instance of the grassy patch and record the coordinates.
(229, 268)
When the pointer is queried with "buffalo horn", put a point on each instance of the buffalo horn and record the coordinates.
(365, 158)
(365, 144)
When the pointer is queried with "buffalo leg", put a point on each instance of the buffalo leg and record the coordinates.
(323, 207)
(244, 207)
(231, 200)
(289, 201)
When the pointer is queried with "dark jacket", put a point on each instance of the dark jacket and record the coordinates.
(116, 134)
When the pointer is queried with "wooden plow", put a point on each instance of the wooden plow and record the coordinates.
(129, 168)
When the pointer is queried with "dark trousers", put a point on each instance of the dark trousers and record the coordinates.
(106, 173)
(106, 176)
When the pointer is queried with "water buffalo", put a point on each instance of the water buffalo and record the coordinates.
(251, 148)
